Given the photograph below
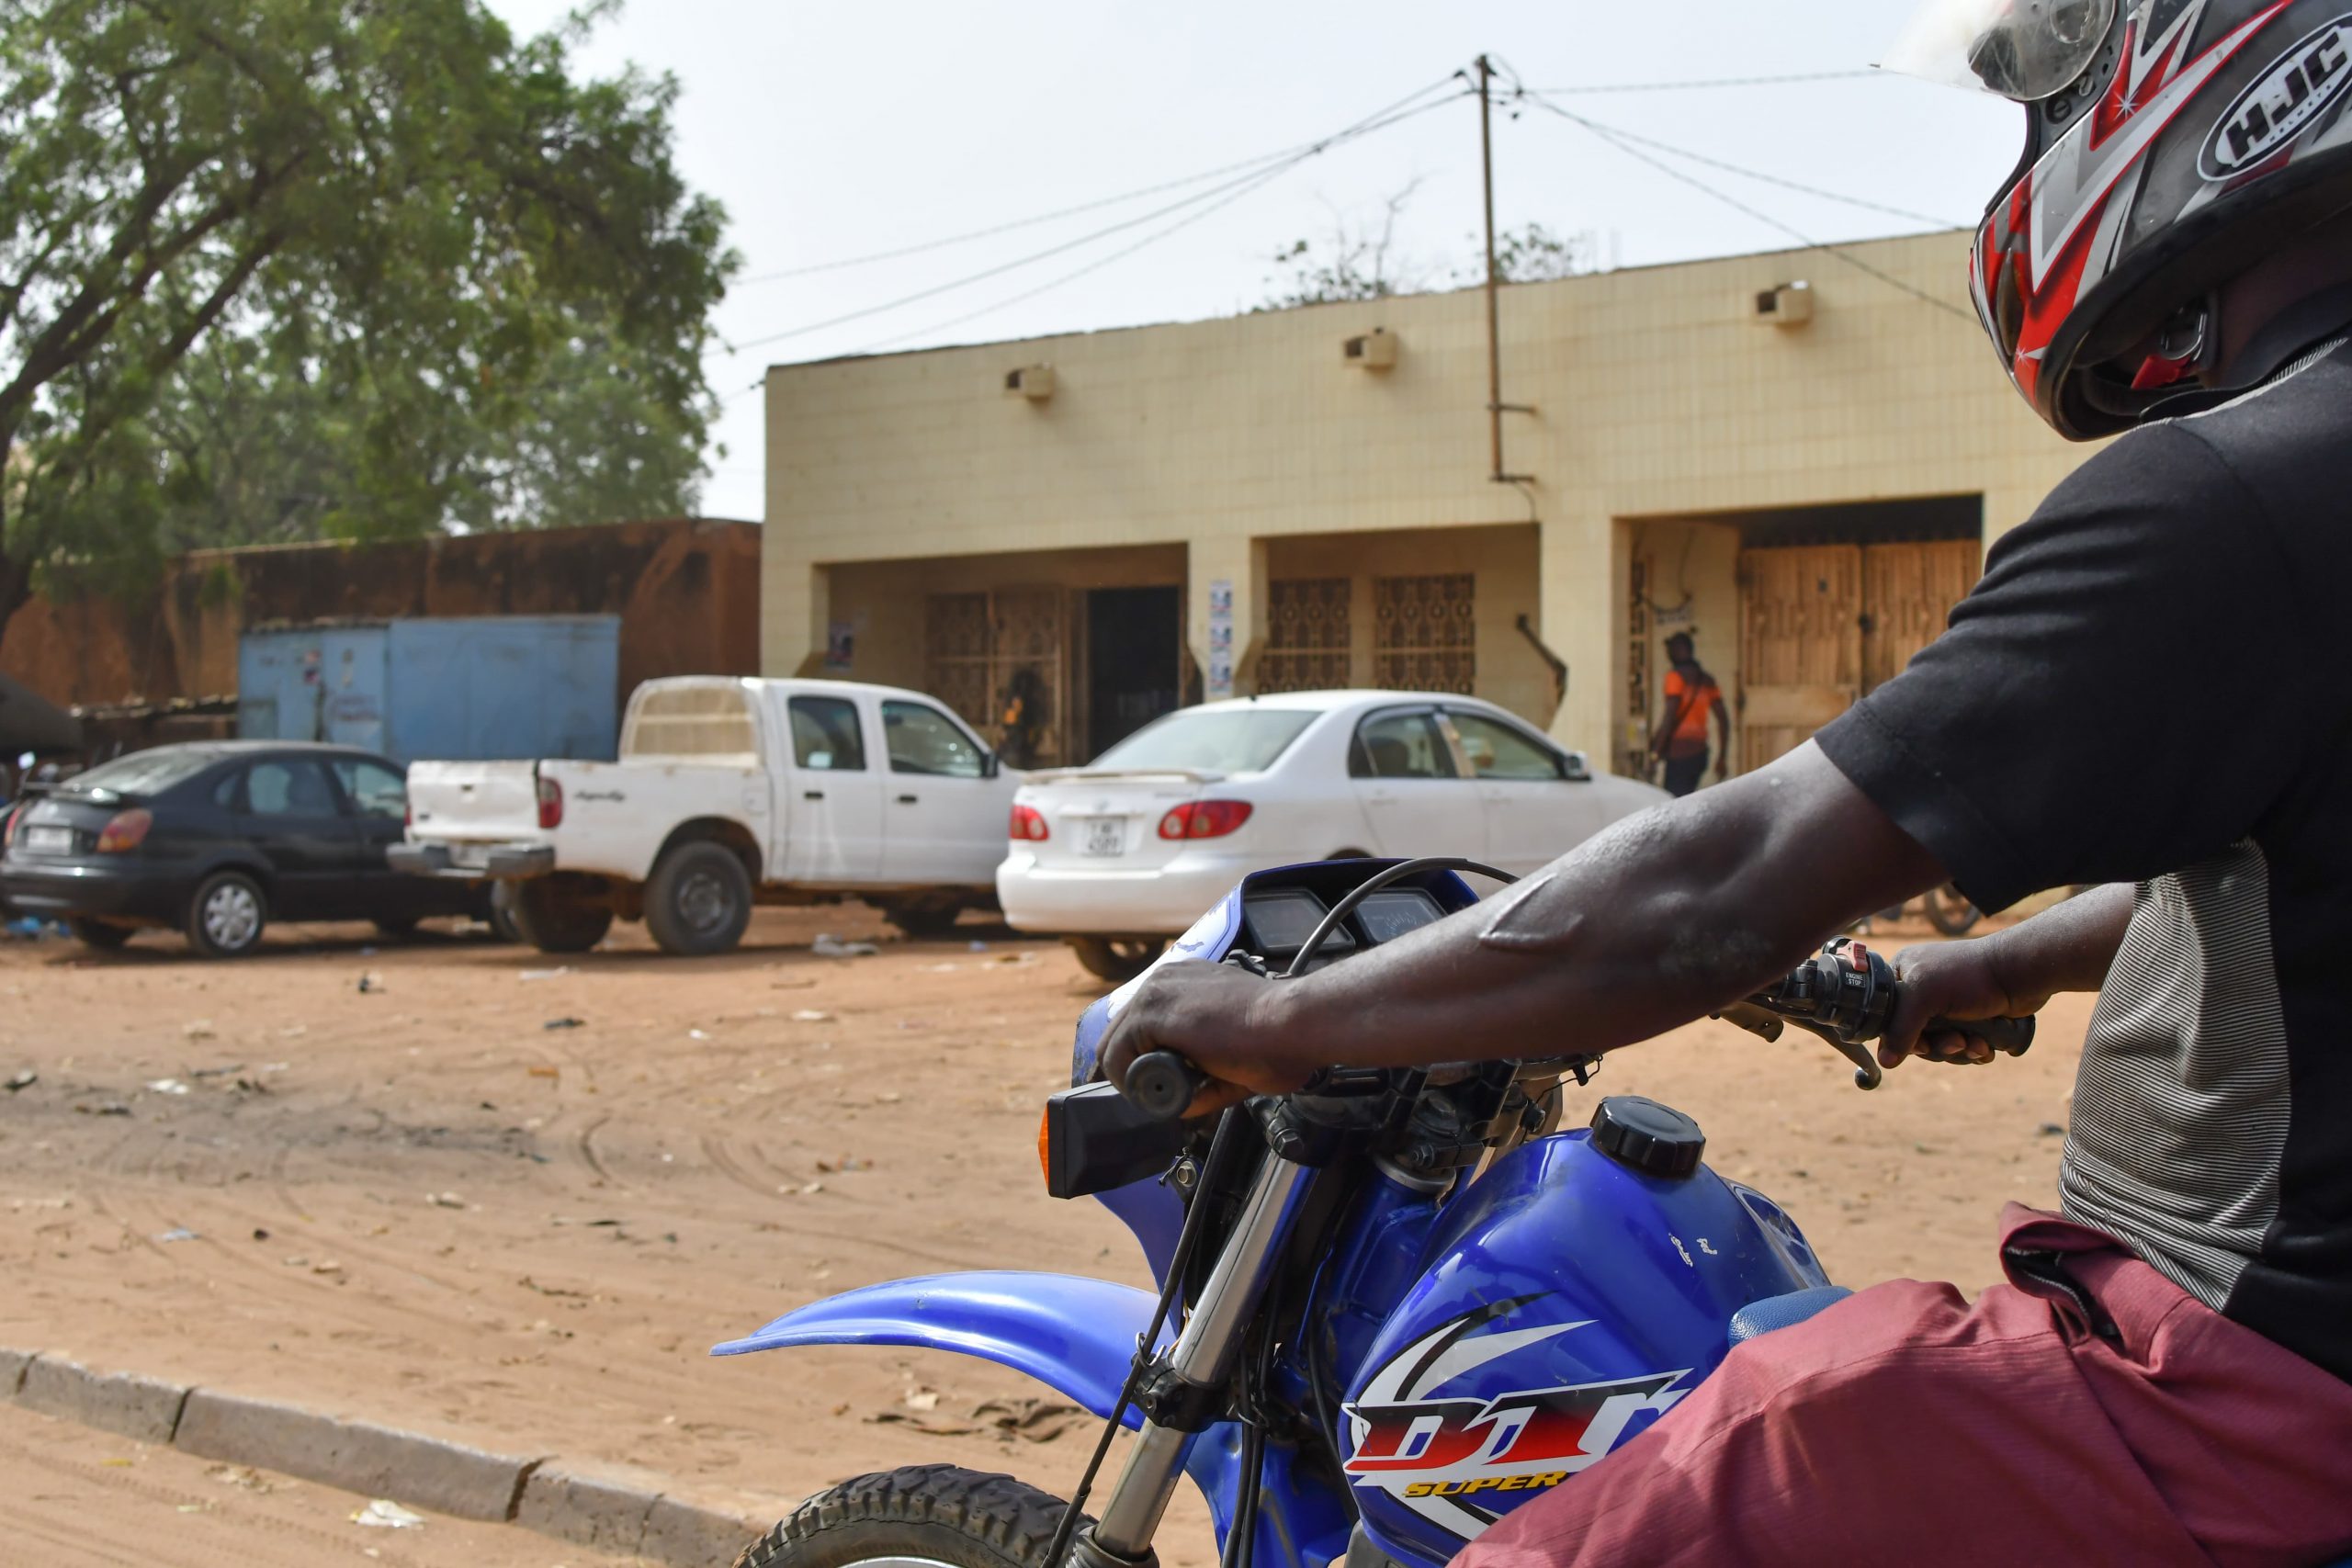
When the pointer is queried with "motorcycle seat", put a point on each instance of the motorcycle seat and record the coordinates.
(1779, 1312)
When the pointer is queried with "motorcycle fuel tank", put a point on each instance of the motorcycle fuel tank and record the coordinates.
(1564, 1301)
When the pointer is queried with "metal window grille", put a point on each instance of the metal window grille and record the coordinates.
(1425, 633)
(975, 645)
(1307, 635)
(956, 657)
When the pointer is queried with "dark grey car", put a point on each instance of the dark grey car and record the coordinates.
(217, 840)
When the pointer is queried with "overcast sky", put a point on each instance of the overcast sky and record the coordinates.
(839, 130)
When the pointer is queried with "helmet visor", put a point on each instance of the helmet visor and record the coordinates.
(2024, 50)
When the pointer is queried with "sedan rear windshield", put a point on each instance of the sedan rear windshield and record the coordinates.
(1229, 741)
(142, 772)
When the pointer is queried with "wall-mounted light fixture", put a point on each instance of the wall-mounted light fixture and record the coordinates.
(1376, 350)
(1785, 304)
(1035, 382)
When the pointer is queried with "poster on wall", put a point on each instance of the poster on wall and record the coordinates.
(1220, 671)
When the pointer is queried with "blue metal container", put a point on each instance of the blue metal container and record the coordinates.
(471, 688)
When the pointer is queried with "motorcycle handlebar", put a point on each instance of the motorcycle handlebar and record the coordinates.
(1844, 994)
(2011, 1036)
(1161, 1085)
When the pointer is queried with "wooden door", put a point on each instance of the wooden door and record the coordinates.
(1800, 645)
(1908, 594)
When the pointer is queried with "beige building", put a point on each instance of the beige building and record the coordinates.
(1801, 476)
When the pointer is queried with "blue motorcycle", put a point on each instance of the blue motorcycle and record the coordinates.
(1393, 1305)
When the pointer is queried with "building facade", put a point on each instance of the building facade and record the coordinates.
(1797, 460)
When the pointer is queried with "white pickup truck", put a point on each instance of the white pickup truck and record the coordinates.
(728, 792)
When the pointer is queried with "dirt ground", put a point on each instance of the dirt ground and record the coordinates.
(82, 1499)
(465, 1188)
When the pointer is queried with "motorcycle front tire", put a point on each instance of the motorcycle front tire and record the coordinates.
(930, 1513)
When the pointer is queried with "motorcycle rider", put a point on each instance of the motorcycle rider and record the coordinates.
(2164, 1378)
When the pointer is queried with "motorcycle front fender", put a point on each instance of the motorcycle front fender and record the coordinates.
(1076, 1336)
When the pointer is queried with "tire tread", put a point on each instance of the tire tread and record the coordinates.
(1012, 1519)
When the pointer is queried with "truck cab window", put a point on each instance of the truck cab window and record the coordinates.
(924, 740)
(825, 735)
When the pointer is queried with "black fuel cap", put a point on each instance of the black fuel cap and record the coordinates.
(1657, 1140)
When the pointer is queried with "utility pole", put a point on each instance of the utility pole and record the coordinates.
(1496, 407)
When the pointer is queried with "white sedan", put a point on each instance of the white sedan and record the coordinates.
(1120, 854)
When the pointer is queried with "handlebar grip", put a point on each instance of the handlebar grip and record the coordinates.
(1162, 1084)
(2009, 1036)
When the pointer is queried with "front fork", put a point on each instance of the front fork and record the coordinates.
(1198, 1368)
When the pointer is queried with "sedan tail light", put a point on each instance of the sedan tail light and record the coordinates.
(125, 830)
(1028, 825)
(550, 804)
(1204, 820)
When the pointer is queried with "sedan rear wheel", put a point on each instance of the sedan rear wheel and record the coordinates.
(1117, 959)
(226, 917)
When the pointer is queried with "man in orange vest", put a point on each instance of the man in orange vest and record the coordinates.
(1682, 739)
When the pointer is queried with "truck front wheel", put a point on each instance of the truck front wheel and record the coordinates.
(698, 899)
(556, 913)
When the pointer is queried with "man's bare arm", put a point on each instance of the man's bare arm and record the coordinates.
(1662, 919)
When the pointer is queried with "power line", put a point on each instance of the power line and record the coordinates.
(1379, 119)
(1617, 139)
(1702, 84)
(945, 241)
(1757, 174)
(1096, 265)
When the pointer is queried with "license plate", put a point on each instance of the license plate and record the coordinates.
(48, 841)
(1106, 836)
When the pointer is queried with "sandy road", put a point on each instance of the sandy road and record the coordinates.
(436, 1203)
(81, 1499)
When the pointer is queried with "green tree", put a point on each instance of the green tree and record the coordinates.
(277, 267)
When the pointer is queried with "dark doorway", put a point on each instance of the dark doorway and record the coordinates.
(1133, 635)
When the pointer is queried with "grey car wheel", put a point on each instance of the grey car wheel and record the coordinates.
(226, 918)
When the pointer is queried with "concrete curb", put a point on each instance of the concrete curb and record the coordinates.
(628, 1514)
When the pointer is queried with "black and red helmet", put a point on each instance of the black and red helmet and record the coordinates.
(2170, 145)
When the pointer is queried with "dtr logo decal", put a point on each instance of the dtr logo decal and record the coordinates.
(2282, 101)
(1458, 1461)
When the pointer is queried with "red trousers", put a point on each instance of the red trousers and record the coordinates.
(1905, 1425)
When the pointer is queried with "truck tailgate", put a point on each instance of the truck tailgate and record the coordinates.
(473, 802)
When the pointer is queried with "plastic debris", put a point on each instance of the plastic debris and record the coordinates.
(178, 1232)
(976, 945)
(371, 985)
(107, 1107)
(828, 945)
(556, 973)
(382, 1513)
(167, 1086)
(812, 1015)
(23, 1080)
(696, 1034)
(445, 1200)
(566, 1022)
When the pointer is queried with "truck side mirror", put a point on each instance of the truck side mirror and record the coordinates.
(990, 764)
(1577, 768)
